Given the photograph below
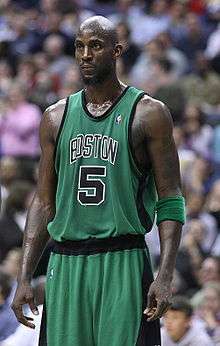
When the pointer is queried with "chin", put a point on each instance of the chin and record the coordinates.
(93, 80)
(88, 80)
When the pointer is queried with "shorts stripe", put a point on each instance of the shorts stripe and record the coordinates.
(149, 332)
(43, 331)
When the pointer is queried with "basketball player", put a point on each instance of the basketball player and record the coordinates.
(107, 153)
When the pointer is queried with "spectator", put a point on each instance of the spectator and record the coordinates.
(8, 320)
(213, 44)
(178, 326)
(192, 242)
(51, 26)
(5, 76)
(131, 51)
(203, 85)
(207, 302)
(186, 155)
(195, 209)
(191, 255)
(213, 201)
(152, 24)
(72, 18)
(10, 265)
(9, 172)
(199, 135)
(13, 220)
(25, 41)
(26, 73)
(19, 126)
(59, 62)
(177, 24)
(163, 86)
(175, 56)
(209, 271)
(198, 179)
(142, 70)
(72, 77)
(194, 38)
(161, 77)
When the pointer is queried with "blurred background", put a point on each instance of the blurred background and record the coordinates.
(172, 51)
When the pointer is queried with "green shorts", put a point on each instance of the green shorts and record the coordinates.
(96, 292)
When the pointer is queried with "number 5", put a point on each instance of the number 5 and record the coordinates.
(91, 191)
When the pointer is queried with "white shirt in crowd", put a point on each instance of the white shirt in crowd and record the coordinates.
(25, 336)
(194, 337)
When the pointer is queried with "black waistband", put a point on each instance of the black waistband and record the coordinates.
(93, 246)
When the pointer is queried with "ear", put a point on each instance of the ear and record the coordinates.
(118, 50)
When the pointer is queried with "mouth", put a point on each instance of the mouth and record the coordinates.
(87, 67)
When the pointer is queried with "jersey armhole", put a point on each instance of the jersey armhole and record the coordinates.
(137, 167)
(61, 127)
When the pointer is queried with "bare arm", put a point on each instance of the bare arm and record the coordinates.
(165, 164)
(43, 205)
(40, 213)
(157, 128)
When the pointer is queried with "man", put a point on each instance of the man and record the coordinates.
(101, 150)
(179, 330)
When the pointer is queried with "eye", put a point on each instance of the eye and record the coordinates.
(78, 45)
(97, 45)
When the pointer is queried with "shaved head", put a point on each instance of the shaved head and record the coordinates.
(97, 49)
(100, 26)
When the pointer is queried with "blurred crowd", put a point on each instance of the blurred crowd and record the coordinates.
(171, 49)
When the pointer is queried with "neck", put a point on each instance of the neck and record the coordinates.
(109, 90)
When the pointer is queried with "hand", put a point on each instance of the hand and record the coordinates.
(24, 295)
(159, 299)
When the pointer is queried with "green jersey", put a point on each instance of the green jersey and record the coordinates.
(100, 190)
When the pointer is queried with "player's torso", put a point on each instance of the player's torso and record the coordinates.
(98, 181)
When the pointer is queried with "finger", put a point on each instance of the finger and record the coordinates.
(149, 312)
(29, 318)
(161, 306)
(30, 301)
(150, 303)
(21, 318)
(33, 307)
(25, 320)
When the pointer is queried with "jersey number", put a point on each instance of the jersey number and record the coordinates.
(91, 190)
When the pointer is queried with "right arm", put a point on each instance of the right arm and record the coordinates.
(41, 212)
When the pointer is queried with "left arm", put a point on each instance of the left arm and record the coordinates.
(158, 129)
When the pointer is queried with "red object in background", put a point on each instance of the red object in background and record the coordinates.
(197, 6)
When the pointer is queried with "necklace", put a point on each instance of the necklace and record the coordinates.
(98, 110)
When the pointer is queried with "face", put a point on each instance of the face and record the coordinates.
(212, 300)
(12, 262)
(16, 95)
(8, 169)
(197, 230)
(95, 56)
(154, 50)
(209, 271)
(194, 204)
(176, 324)
(192, 119)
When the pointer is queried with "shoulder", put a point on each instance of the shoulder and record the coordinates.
(55, 109)
(154, 114)
(52, 118)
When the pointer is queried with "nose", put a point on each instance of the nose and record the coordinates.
(86, 54)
